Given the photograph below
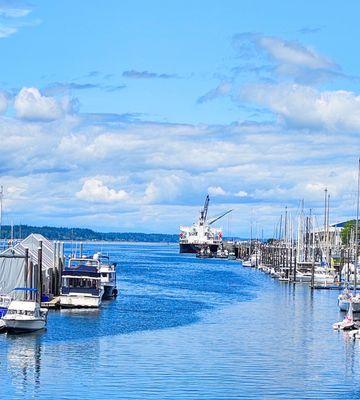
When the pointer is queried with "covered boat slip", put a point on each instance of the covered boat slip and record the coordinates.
(18, 265)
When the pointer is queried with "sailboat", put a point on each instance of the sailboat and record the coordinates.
(348, 322)
(347, 298)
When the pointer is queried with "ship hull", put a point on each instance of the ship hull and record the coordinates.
(195, 248)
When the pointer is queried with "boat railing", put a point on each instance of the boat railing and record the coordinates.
(68, 290)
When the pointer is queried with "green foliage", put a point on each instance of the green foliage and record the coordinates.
(346, 232)
(76, 234)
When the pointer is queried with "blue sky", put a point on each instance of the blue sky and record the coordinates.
(123, 115)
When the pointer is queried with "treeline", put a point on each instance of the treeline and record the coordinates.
(76, 234)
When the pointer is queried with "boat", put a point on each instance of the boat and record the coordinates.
(204, 253)
(25, 315)
(193, 238)
(345, 298)
(322, 277)
(221, 253)
(247, 263)
(348, 322)
(108, 275)
(81, 284)
(4, 304)
(303, 277)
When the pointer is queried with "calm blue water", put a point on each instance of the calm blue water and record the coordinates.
(185, 328)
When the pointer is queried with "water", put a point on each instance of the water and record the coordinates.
(186, 328)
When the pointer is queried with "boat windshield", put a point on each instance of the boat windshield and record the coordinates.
(81, 283)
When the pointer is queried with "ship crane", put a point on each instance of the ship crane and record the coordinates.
(204, 211)
(220, 216)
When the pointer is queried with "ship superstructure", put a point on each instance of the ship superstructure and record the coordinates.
(201, 234)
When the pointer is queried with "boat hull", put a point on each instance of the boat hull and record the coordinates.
(67, 301)
(22, 325)
(345, 304)
(195, 248)
(110, 291)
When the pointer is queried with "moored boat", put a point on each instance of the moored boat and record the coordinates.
(81, 284)
(108, 275)
(25, 315)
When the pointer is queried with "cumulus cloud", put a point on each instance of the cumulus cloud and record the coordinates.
(94, 190)
(157, 173)
(216, 191)
(306, 107)
(163, 189)
(241, 193)
(221, 90)
(3, 102)
(30, 104)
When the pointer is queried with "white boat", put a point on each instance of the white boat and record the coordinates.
(345, 298)
(81, 284)
(4, 304)
(303, 277)
(348, 322)
(247, 263)
(25, 316)
(321, 277)
(108, 275)
(222, 253)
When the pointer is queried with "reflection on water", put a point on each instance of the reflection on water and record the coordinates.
(24, 360)
(187, 328)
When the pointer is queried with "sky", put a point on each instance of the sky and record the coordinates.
(123, 115)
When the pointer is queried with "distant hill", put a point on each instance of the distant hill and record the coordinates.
(76, 234)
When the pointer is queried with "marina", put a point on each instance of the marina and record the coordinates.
(179, 200)
(211, 297)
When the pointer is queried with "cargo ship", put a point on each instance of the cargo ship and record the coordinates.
(201, 235)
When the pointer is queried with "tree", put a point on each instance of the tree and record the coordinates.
(346, 232)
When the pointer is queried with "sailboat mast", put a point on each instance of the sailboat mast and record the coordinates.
(356, 229)
(1, 210)
(328, 233)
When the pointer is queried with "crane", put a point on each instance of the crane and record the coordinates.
(204, 211)
(220, 216)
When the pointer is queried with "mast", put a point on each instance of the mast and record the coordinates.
(328, 234)
(1, 210)
(325, 223)
(356, 229)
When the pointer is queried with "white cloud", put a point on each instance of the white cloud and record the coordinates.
(163, 189)
(216, 191)
(94, 190)
(306, 107)
(3, 102)
(270, 57)
(241, 193)
(291, 52)
(32, 105)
